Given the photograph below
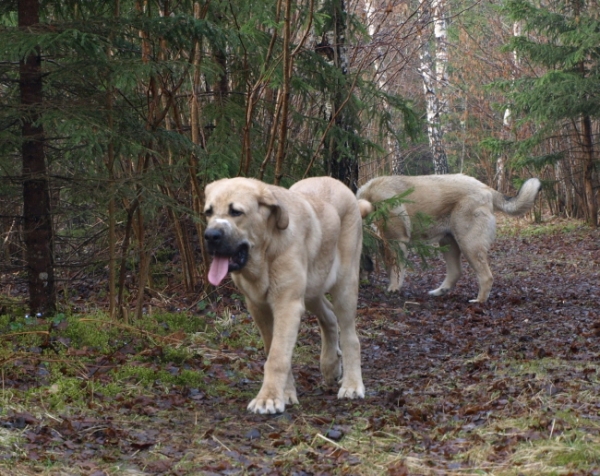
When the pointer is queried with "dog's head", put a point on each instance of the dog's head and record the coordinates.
(240, 213)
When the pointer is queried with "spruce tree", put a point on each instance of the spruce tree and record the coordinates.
(563, 40)
(146, 102)
(37, 224)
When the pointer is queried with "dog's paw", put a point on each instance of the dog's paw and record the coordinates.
(352, 391)
(290, 397)
(266, 405)
(274, 404)
(439, 292)
(332, 369)
(392, 288)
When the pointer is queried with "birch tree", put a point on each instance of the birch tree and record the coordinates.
(507, 120)
(433, 74)
(440, 30)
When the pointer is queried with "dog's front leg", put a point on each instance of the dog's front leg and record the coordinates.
(278, 388)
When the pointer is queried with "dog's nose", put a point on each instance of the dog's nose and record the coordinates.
(213, 236)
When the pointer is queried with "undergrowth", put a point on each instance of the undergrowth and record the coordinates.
(505, 388)
(67, 360)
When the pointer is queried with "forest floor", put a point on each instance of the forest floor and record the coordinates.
(509, 387)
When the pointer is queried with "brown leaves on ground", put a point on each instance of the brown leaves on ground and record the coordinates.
(452, 388)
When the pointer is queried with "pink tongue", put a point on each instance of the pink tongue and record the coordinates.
(218, 270)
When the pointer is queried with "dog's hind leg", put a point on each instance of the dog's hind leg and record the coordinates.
(477, 258)
(475, 245)
(344, 306)
(396, 268)
(453, 270)
(396, 233)
(331, 355)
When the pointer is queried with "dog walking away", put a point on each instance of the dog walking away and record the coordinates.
(459, 213)
(285, 249)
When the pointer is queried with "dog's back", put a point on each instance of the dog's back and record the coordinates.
(436, 195)
(331, 191)
(432, 195)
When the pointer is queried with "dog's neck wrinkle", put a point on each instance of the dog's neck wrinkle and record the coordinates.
(255, 269)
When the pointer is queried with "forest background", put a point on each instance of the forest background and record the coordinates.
(115, 114)
(115, 356)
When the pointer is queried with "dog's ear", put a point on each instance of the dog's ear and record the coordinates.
(269, 199)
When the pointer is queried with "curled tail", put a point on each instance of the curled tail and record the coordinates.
(365, 207)
(522, 202)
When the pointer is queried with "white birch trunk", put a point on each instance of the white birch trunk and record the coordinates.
(438, 8)
(507, 122)
(429, 77)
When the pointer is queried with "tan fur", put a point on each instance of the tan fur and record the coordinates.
(303, 243)
(462, 212)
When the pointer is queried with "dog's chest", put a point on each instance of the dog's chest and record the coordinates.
(255, 288)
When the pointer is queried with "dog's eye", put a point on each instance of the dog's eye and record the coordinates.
(235, 213)
(208, 212)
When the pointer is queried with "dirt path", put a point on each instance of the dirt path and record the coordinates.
(507, 387)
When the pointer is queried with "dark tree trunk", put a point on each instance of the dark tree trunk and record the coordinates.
(588, 172)
(343, 155)
(343, 162)
(37, 223)
(222, 85)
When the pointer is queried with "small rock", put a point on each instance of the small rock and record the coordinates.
(253, 434)
(335, 435)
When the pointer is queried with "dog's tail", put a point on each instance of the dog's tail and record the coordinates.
(522, 202)
(365, 207)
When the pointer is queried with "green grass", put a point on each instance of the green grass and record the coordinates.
(93, 363)
(80, 357)
(523, 227)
